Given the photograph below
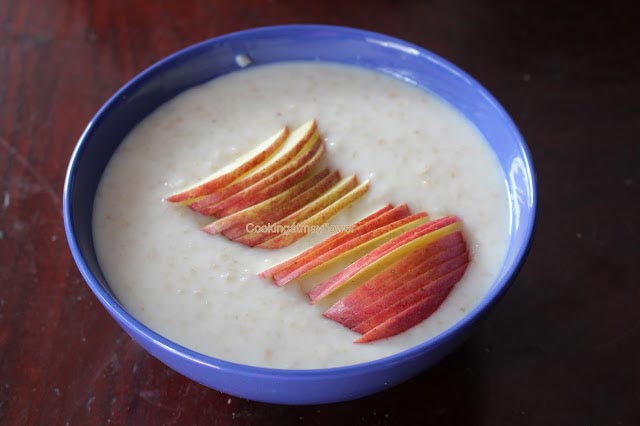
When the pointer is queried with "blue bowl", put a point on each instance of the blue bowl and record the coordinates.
(215, 57)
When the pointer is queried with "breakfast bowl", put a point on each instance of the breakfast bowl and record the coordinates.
(214, 59)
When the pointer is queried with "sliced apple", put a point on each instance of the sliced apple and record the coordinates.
(356, 243)
(341, 188)
(273, 204)
(234, 170)
(283, 162)
(425, 305)
(319, 218)
(370, 297)
(362, 249)
(284, 207)
(374, 262)
(357, 246)
(263, 190)
(382, 217)
(405, 295)
(360, 227)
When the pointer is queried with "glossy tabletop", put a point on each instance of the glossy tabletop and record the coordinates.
(562, 347)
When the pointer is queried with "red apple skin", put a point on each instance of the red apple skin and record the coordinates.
(321, 183)
(326, 287)
(322, 247)
(255, 213)
(355, 307)
(257, 180)
(424, 285)
(258, 193)
(415, 313)
(355, 242)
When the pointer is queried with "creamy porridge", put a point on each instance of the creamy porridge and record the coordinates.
(203, 291)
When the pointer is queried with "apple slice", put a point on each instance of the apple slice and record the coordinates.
(374, 262)
(362, 249)
(341, 188)
(416, 313)
(370, 297)
(257, 211)
(286, 239)
(283, 162)
(335, 240)
(358, 242)
(263, 190)
(360, 245)
(233, 171)
(398, 273)
(405, 296)
(285, 208)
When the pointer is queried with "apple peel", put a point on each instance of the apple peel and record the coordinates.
(362, 243)
(322, 247)
(257, 211)
(317, 219)
(263, 189)
(424, 285)
(239, 232)
(372, 296)
(371, 264)
(261, 177)
(415, 313)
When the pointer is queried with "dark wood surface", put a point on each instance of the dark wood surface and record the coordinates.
(563, 346)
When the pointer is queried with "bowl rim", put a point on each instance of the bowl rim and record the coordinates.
(122, 316)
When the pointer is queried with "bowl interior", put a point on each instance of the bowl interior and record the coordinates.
(213, 58)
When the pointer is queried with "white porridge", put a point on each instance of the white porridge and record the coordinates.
(203, 291)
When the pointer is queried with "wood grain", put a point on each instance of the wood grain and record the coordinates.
(562, 347)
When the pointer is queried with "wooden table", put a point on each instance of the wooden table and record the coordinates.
(562, 348)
